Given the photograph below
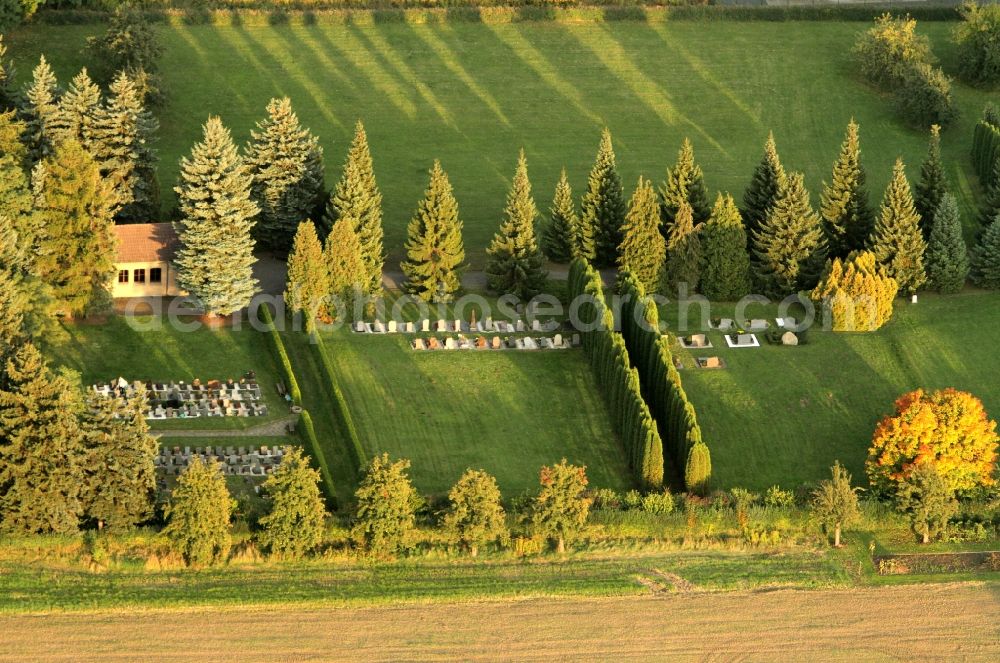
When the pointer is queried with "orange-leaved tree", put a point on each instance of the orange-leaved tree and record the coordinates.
(948, 428)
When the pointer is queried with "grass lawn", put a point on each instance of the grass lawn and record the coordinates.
(505, 412)
(782, 415)
(472, 94)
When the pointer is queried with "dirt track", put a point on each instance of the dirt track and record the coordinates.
(938, 622)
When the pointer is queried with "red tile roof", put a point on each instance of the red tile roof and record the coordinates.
(146, 242)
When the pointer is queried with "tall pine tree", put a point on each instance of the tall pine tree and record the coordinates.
(308, 285)
(286, 163)
(41, 109)
(435, 254)
(515, 264)
(10, 96)
(602, 209)
(947, 257)
(78, 112)
(897, 241)
(933, 184)
(643, 251)
(789, 250)
(559, 239)
(685, 183)
(357, 196)
(215, 262)
(765, 185)
(345, 264)
(725, 269)
(986, 258)
(847, 216)
(683, 265)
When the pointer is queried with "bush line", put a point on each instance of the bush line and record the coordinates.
(340, 409)
(986, 150)
(279, 347)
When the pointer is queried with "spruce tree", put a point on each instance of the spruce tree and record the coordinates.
(345, 264)
(41, 448)
(435, 255)
(986, 258)
(296, 521)
(286, 163)
(384, 515)
(602, 209)
(933, 184)
(119, 476)
(215, 261)
(685, 183)
(13, 132)
(897, 241)
(357, 196)
(947, 257)
(10, 96)
(683, 264)
(847, 216)
(13, 304)
(41, 109)
(765, 185)
(77, 253)
(122, 141)
(643, 251)
(514, 265)
(725, 268)
(308, 280)
(198, 514)
(559, 239)
(77, 114)
(789, 250)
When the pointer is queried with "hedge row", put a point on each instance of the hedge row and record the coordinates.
(605, 348)
(340, 409)
(305, 420)
(985, 150)
(661, 382)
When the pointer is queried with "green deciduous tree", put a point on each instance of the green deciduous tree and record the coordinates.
(562, 506)
(887, 50)
(215, 262)
(685, 183)
(560, 239)
(602, 210)
(947, 257)
(345, 263)
(683, 264)
(643, 251)
(384, 516)
(308, 283)
(296, 521)
(475, 514)
(40, 110)
(514, 265)
(765, 185)
(848, 218)
(928, 500)
(933, 184)
(835, 502)
(199, 513)
(725, 263)
(897, 241)
(435, 254)
(286, 163)
(986, 258)
(978, 40)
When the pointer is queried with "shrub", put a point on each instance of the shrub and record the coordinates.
(777, 497)
(888, 50)
(924, 97)
(632, 499)
(978, 40)
(659, 504)
(606, 499)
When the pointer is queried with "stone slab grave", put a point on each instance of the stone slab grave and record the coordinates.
(480, 343)
(787, 323)
(742, 341)
(442, 326)
(359, 327)
(425, 326)
(710, 362)
(726, 324)
(557, 341)
(379, 327)
(757, 325)
(391, 327)
(520, 325)
(695, 341)
(530, 343)
(450, 343)
(496, 343)
(536, 325)
(433, 343)
(418, 344)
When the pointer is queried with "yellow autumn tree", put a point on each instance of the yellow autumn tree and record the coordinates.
(946, 428)
(856, 293)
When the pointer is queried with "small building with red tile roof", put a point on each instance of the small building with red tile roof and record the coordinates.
(145, 261)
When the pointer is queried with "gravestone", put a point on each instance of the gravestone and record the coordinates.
(495, 343)
(545, 343)
(408, 327)
(789, 338)
(520, 325)
(557, 340)
(359, 327)
(480, 343)
(488, 324)
(711, 362)
(536, 325)
(519, 343)
(450, 344)
(433, 343)
(744, 339)
(530, 343)
(758, 324)
(391, 327)
(459, 325)
(418, 344)
(576, 339)
(425, 325)
(698, 340)
(442, 326)
(726, 324)
(379, 327)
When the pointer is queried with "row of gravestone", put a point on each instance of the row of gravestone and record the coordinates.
(232, 461)
(557, 342)
(452, 326)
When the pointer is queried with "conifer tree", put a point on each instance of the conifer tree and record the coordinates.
(765, 185)
(897, 241)
(296, 522)
(122, 142)
(685, 183)
(947, 257)
(602, 209)
(991, 202)
(643, 251)
(986, 258)
(215, 262)
(41, 109)
(847, 216)
(856, 293)
(698, 469)
(41, 448)
(13, 132)
(198, 514)
(357, 195)
(683, 264)
(345, 264)
(933, 184)
(13, 304)
(384, 516)
(725, 268)
(308, 282)
(475, 514)
(10, 96)
(515, 263)
(119, 476)
(76, 254)
(560, 237)
(435, 255)
(789, 250)
(77, 115)
(286, 163)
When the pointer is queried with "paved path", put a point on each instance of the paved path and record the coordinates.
(276, 428)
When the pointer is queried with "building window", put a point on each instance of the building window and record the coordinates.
(139, 276)
(155, 275)
(123, 276)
